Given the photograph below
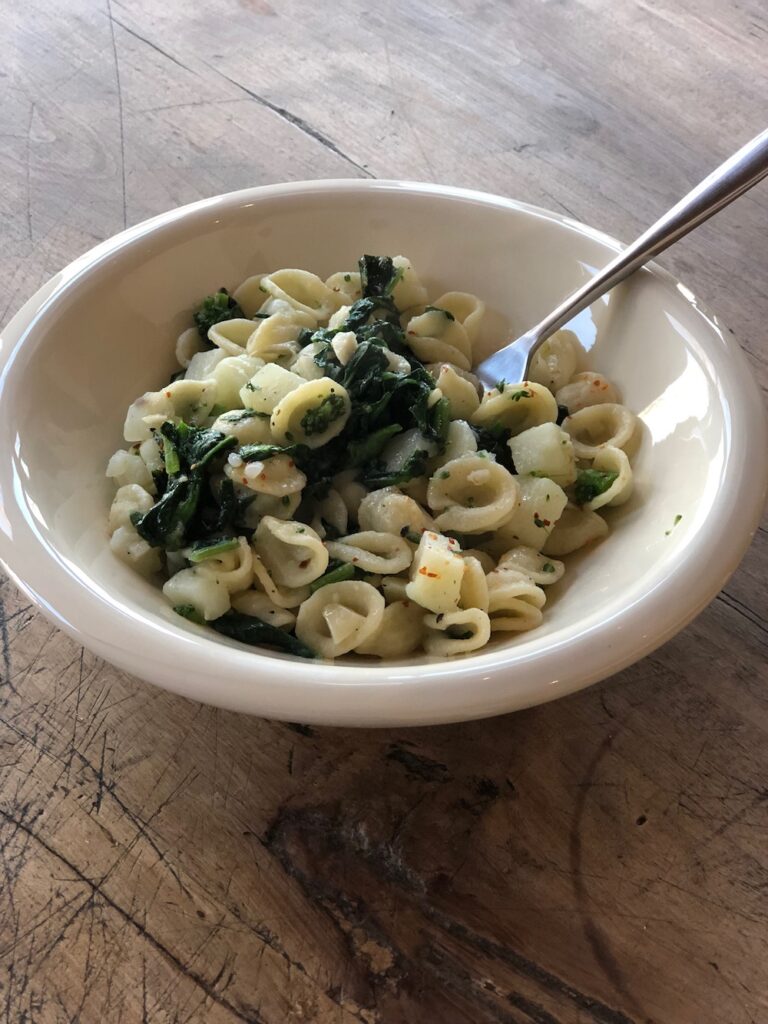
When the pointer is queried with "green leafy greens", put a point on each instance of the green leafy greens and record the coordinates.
(318, 420)
(250, 630)
(170, 523)
(213, 309)
(592, 482)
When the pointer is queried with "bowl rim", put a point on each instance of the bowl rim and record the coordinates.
(362, 694)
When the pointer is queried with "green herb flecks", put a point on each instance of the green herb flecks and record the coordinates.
(678, 518)
(188, 611)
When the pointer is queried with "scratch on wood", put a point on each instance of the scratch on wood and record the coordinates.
(151, 45)
(7, 668)
(249, 1015)
(593, 933)
(745, 611)
(297, 122)
(119, 109)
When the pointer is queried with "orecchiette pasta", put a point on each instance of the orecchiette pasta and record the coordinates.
(390, 511)
(327, 477)
(274, 340)
(232, 569)
(575, 528)
(372, 551)
(230, 375)
(202, 591)
(231, 336)
(282, 597)
(514, 601)
(247, 426)
(436, 335)
(189, 400)
(612, 461)
(474, 586)
(278, 476)
(537, 567)
(517, 407)
(407, 290)
(202, 364)
(472, 494)
(461, 394)
(464, 307)
(129, 547)
(555, 363)
(457, 632)
(257, 604)
(129, 468)
(598, 426)
(311, 414)
(293, 553)
(188, 344)
(130, 499)
(399, 633)
(586, 389)
(346, 285)
(302, 290)
(339, 617)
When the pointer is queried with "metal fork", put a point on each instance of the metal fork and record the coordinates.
(731, 179)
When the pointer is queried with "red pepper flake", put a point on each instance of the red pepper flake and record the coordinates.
(304, 564)
(355, 559)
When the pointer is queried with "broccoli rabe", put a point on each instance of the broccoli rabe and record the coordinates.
(318, 419)
(215, 308)
(590, 483)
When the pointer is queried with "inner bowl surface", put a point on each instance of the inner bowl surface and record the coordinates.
(103, 331)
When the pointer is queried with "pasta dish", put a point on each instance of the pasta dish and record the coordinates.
(325, 475)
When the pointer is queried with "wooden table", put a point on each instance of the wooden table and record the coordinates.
(601, 860)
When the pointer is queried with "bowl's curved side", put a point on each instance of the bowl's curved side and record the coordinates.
(72, 577)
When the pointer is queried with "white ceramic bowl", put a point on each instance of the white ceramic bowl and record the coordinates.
(102, 331)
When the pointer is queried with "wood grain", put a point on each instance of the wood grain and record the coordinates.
(601, 860)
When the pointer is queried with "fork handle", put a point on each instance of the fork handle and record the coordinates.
(730, 180)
